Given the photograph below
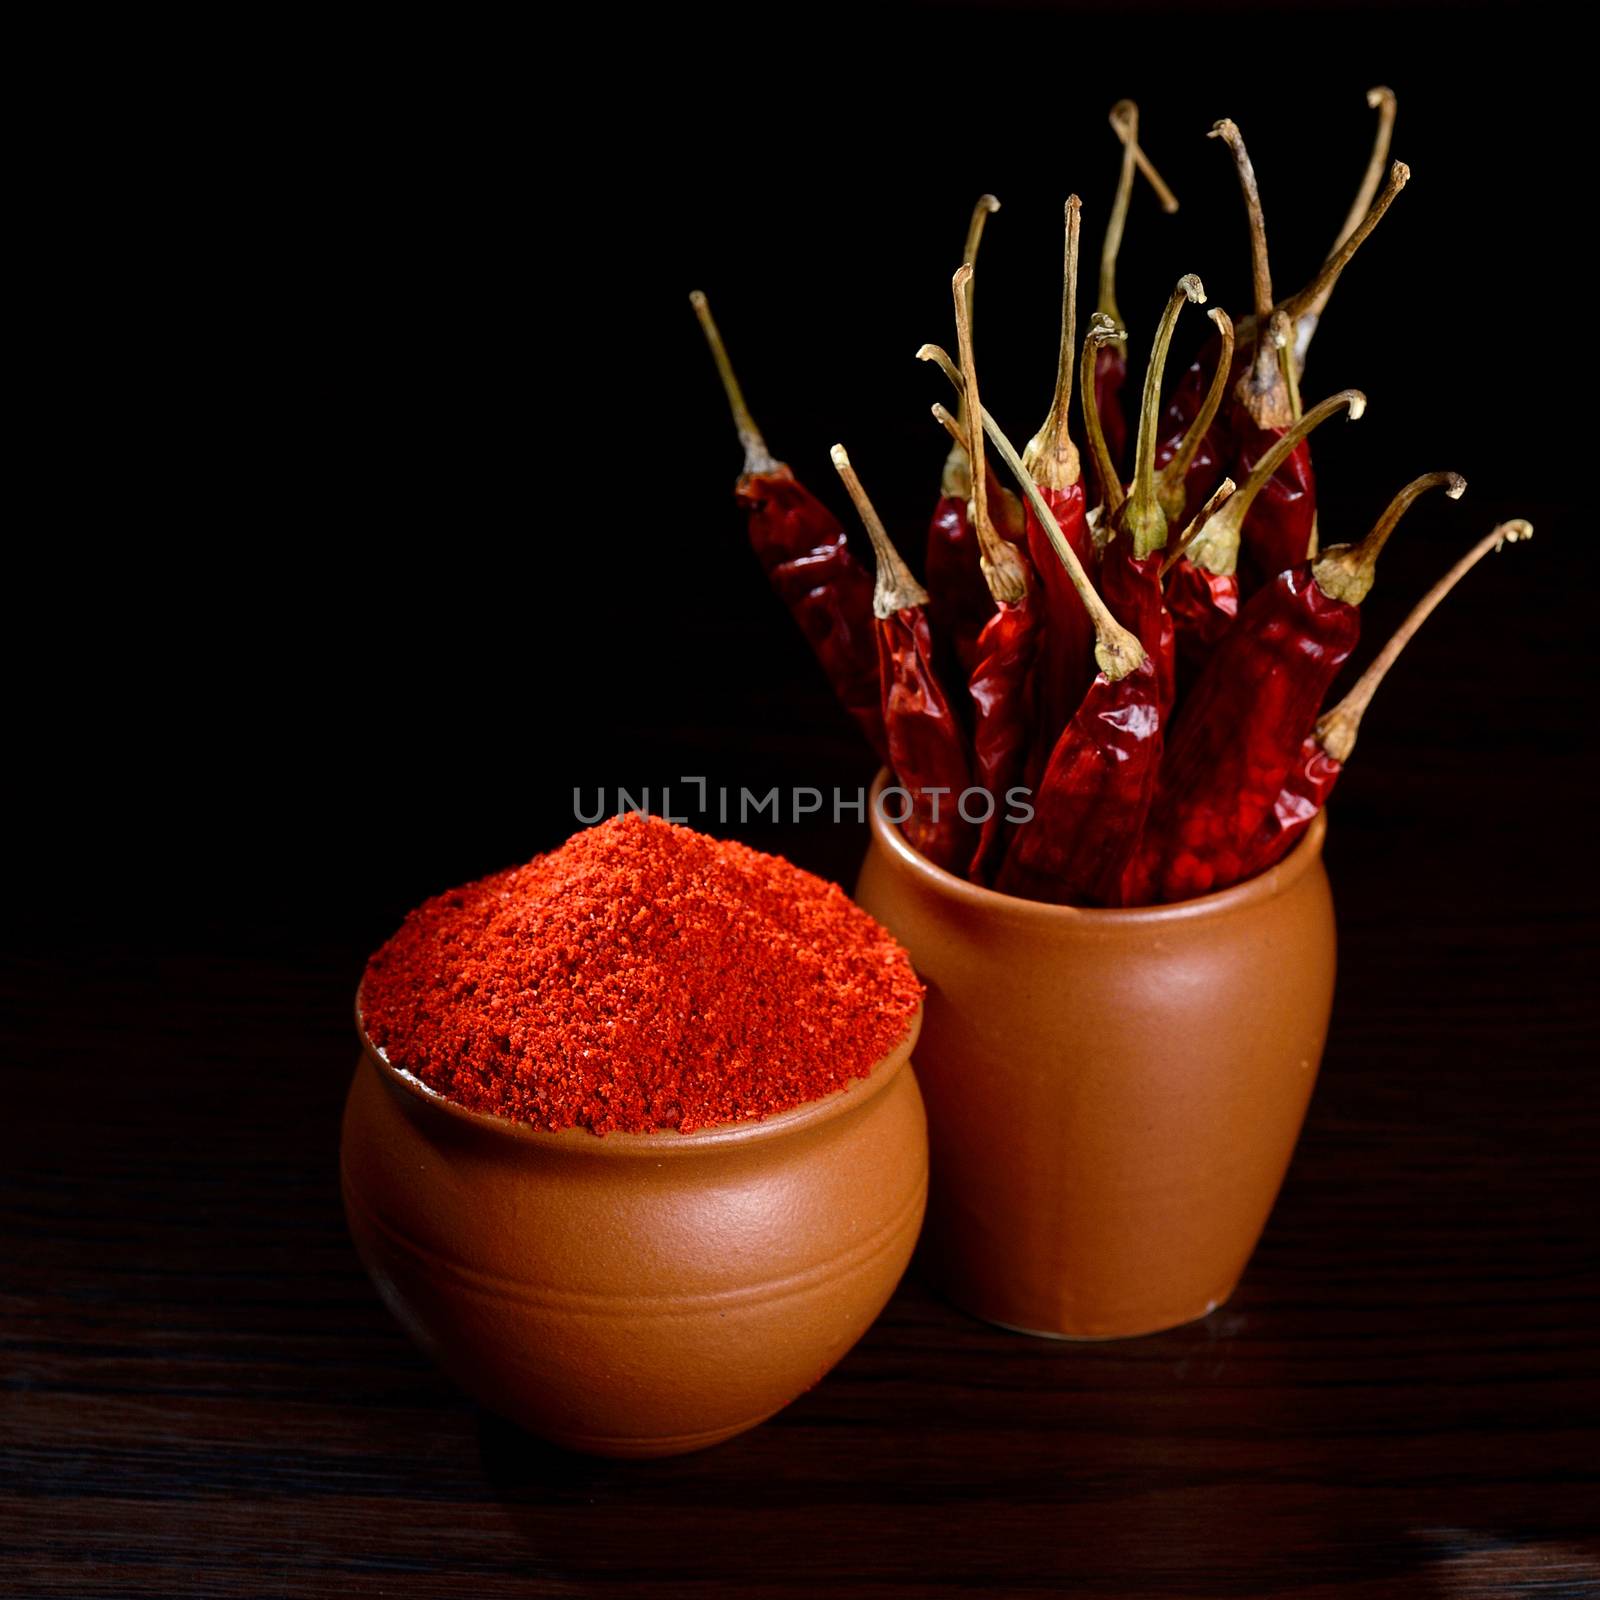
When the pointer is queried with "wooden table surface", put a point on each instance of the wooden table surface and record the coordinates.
(203, 1396)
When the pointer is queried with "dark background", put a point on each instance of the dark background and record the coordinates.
(380, 497)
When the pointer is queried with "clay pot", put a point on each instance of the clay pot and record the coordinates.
(1113, 1096)
(635, 1294)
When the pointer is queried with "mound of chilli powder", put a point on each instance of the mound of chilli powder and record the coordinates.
(641, 977)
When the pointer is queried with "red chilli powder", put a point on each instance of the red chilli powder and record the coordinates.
(643, 976)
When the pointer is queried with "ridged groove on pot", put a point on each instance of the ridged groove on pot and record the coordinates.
(1113, 1096)
(636, 1294)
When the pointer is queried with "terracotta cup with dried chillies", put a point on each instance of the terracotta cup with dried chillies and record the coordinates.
(1116, 720)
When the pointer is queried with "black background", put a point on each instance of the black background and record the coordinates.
(379, 496)
(394, 495)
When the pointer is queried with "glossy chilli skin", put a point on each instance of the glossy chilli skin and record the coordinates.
(1239, 733)
(1091, 804)
(959, 602)
(1306, 787)
(1001, 687)
(925, 747)
(1182, 408)
(802, 550)
(1066, 634)
(1203, 606)
(1132, 588)
(1277, 533)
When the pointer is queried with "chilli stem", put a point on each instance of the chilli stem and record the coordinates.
(1050, 455)
(1217, 546)
(896, 589)
(1002, 568)
(757, 458)
(1337, 729)
(1170, 483)
(1142, 516)
(1221, 495)
(1260, 268)
(1102, 330)
(1345, 571)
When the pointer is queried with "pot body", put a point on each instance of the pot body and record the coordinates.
(635, 1295)
(1113, 1096)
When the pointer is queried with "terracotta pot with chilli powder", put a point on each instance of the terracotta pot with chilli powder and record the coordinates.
(634, 1149)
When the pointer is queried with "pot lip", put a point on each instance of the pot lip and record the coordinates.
(1264, 886)
(667, 1142)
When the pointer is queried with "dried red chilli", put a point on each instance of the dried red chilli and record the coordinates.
(1002, 682)
(1130, 567)
(1202, 604)
(1003, 659)
(1001, 687)
(925, 746)
(1313, 774)
(1091, 802)
(1052, 460)
(1202, 582)
(1245, 722)
(1111, 358)
(803, 551)
(958, 604)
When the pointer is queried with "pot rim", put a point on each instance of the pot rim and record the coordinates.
(665, 1141)
(1264, 886)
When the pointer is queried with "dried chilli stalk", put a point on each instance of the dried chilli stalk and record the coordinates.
(1111, 357)
(1102, 331)
(1382, 101)
(1130, 572)
(1187, 462)
(925, 749)
(1312, 776)
(1001, 686)
(804, 553)
(1052, 460)
(1263, 391)
(1003, 658)
(1002, 569)
(959, 603)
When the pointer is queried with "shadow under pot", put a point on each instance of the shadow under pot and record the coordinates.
(1113, 1095)
(635, 1294)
